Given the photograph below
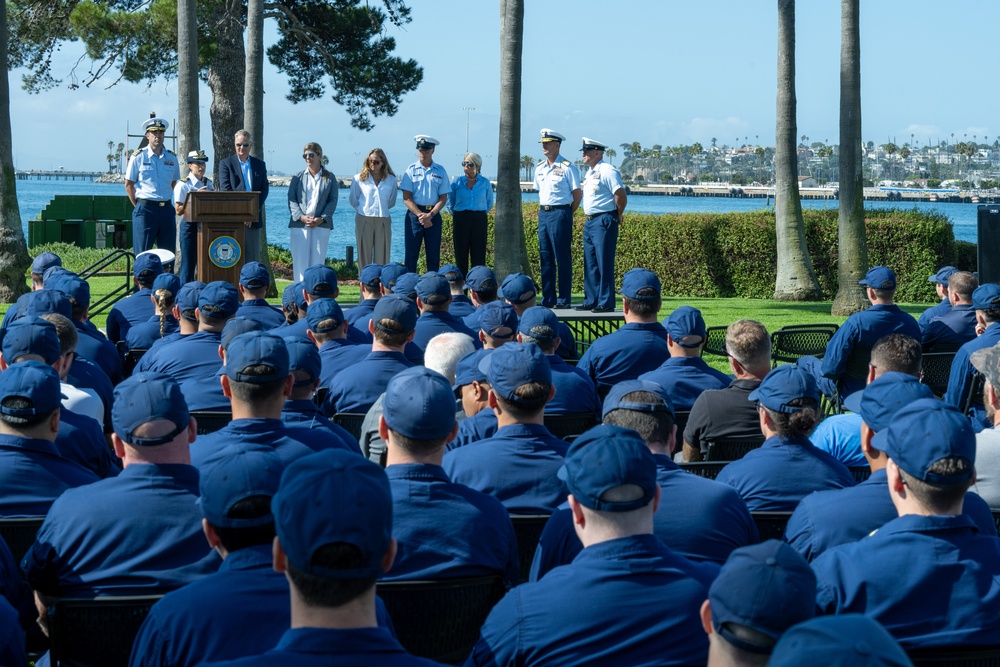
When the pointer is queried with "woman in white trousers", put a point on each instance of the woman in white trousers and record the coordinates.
(312, 200)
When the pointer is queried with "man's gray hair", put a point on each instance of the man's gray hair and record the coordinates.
(444, 351)
(244, 133)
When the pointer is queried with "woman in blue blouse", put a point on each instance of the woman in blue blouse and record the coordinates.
(470, 199)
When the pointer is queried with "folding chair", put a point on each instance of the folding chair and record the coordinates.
(732, 449)
(96, 631)
(528, 530)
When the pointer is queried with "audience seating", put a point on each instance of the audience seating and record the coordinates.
(732, 449)
(97, 631)
(351, 422)
(715, 341)
(19, 534)
(528, 530)
(956, 656)
(570, 425)
(771, 525)
(975, 395)
(934, 370)
(860, 473)
(320, 396)
(832, 326)
(681, 420)
(706, 469)
(129, 358)
(790, 345)
(210, 421)
(441, 619)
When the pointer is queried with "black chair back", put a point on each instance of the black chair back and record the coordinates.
(210, 421)
(976, 390)
(832, 326)
(771, 525)
(528, 531)
(715, 341)
(570, 425)
(935, 367)
(790, 345)
(351, 422)
(131, 360)
(860, 473)
(680, 421)
(956, 656)
(19, 534)
(996, 519)
(440, 620)
(97, 631)
(706, 469)
(732, 449)
(320, 396)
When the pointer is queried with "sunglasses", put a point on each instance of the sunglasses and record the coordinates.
(308, 155)
(374, 161)
(243, 145)
(468, 164)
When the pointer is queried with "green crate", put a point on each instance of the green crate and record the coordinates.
(85, 221)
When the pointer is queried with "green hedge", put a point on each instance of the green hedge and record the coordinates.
(733, 254)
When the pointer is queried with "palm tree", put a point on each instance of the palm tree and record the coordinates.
(510, 255)
(611, 154)
(527, 163)
(111, 156)
(890, 150)
(796, 280)
(188, 117)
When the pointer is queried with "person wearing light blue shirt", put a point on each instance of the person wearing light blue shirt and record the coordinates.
(558, 183)
(604, 201)
(150, 177)
(425, 189)
(470, 199)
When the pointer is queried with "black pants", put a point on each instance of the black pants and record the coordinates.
(469, 235)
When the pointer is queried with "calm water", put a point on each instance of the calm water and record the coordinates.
(34, 195)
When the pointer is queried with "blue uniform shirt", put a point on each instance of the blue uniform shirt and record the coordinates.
(97, 348)
(85, 374)
(932, 312)
(517, 466)
(556, 184)
(930, 580)
(205, 394)
(575, 391)
(81, 440)
(775, 477)
(154, 175)
(698, 518)
(426, 183)
(135, 534)
(192, 357)
(479, 198)
(840, 436)
(33, 473)
(960, 379)
(144, 335)
(306, 414)
(478, 427)
(629, 601)
(634, 349)
(431, 324)
(337, 355)
(461, 307)
(599, 187)
(358, 390)
(261, 311)
(128, 312)
(956, 327)
(685, 378)
(360, 311)
(290, 443)
(446, 530)
(155, 349)
(11, 636)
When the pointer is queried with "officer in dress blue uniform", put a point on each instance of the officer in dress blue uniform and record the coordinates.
(558, 183)
(461, 305)
(196, 181)
(986, 302)
(940, 280)
(472, 388)
(604, 201)
(328, 331)
(150, 178)
(425, 187)
(443, 530)
(254, 281)
(434, 300)
(626, 599)
(928, 576)
(575, 390)
(137, 307)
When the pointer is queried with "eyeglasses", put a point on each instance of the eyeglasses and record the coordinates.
(308, 155)
(468, 164)
(374, 161)
(243, 145)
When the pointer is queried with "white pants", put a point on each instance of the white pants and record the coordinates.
(308, 246)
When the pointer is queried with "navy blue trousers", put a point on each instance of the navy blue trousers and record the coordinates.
(153, 224)
(189, 251)
(414, 234)
(555, 236)
(600, 236)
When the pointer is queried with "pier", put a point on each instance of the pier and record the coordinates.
(57, 175)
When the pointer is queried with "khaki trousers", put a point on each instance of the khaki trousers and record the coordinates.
(374, 238)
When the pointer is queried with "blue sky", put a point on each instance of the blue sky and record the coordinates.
(654, 71)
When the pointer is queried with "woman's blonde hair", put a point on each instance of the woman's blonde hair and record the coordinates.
(380, 154)
(318, 150)
(164, 299)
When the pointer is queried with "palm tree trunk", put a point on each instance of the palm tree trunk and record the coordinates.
(796, 280)
(254, 108)
(510, 255)
(14, 257)
(226, 75)
(852, 247)
(188, 120)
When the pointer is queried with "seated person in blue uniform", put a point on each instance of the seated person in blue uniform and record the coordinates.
(203, 395)
(290, 297)
(392, 327)
(849, 640)
(940, 280)
(840, 435)
(257, 379)
(473, 389)
(33, 472)
(442, 529)
(41, 264)
(497, 324)
(254, 282)
(186, 314)
(828, 518)
(726, 413)
(483, 286)
(433, 300)
(786, 468)
(319, 282)
(144, 335)
(327, 328)
(406, 285)
(953, 329)
(517, 465)
(986, 302)
(91, 343)
(842, 370)
(138, 533)
(461, 304)
(928, 576)
(698, 518)
(370, 282)
(761, 592)
(626, 599)
(333, 517)
(135, 308)
(639, 346)
(521, 292)
(575, 390)
(685, 375)
(300, 410)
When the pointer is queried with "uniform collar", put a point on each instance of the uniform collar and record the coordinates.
(698, 362)
(180, 471)
(328, 641)
(334, 343)
(786, 441)
(300, 405)
(255, 425)
(622, 548)
(915, 523)
(643, 326)
(417, 471)
(257, 557)
(16, 442)
(521, 431)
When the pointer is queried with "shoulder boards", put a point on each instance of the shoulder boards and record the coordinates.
(136, 151)
(566, 162)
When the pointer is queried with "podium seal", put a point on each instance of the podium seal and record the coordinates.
(224, 252)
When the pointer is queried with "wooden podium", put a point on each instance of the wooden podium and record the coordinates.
(220, 217)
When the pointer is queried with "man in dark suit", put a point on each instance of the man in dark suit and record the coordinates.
(235, 172)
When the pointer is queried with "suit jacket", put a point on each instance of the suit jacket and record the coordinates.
(231, 179)
(298, 202)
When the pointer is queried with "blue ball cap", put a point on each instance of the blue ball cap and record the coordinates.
(390, 273)
(518, 288)
(941, 277)
(254, 275)
(606, 457)
(187, 295)
(236, 327)
(419, 403)
(540, 323)
(167, 281)
(30, 335)
(147, 266)
(256, 348)
(481, 279)
(33, 381)
(324, 310)
(288, 294)
(880, 277)
(513, 365)
(685, 325)
(144, 398)
(638, 279)
(615, 400)
(924, 432)
(45, 301)
(371, 275)
(783, 385)
(233, 473)
(43, 261)
(452, 273)
(334, 496)
(844, 640)
(498, 319)
(75, 288)
(884, 397)
(986, 297)
(767, 587)
(52, 275)
(406, 284)
(397, 308)
(303, 356)
(220, 294)
(433, 286)
(468, 369)
(320, 281)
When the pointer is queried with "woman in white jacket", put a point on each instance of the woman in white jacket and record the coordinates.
(312, 200)
(373, 193)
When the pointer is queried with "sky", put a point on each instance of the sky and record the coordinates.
(663, 72)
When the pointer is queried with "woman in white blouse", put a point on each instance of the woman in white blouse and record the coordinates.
(312, 200)
(373, 193)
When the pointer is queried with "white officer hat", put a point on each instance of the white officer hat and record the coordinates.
(155, 125)
(197, 156)
(425, 141)
(592, 144)
(550, 135)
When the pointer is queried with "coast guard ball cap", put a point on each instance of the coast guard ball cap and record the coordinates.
(397, 308)
(334, 496)
(234, 473)
(52, 275)
(324, 310)
(45, 260)
(220, 294)
(452, 273)
(606, 457)
(238, 326)
(884, 397)
(593, 145)
(254, 275)
(686, 326)
(768, 587)
(406, 284)
(371, 275)
(419, 403)
(514, 365)
(550, 135)
(167, 281)
(986, 297)
(33, 381)
(147, 263)
(187, 295)
(303, 355)
(431, 285)
(31, 335)
(256, 349)
(468, 369)
(320, 281)
(923, 433)
(498, 319)
(390, 273)
(880, 277)
(481, 279)
(518, 288)
(144, 398)
(783, 385)
(425, 141)
(615, 400)
(78, 289)
(45, 301)
(637, 279)
(987, 362)
(941, 277)
(845, 640)
(540, 323)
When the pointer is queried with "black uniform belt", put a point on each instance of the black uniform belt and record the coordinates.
(555, 207)
(425, 209)
(154, 202)
(613, 212)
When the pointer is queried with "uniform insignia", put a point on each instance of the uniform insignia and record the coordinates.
(566, 162)
(136, 152)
